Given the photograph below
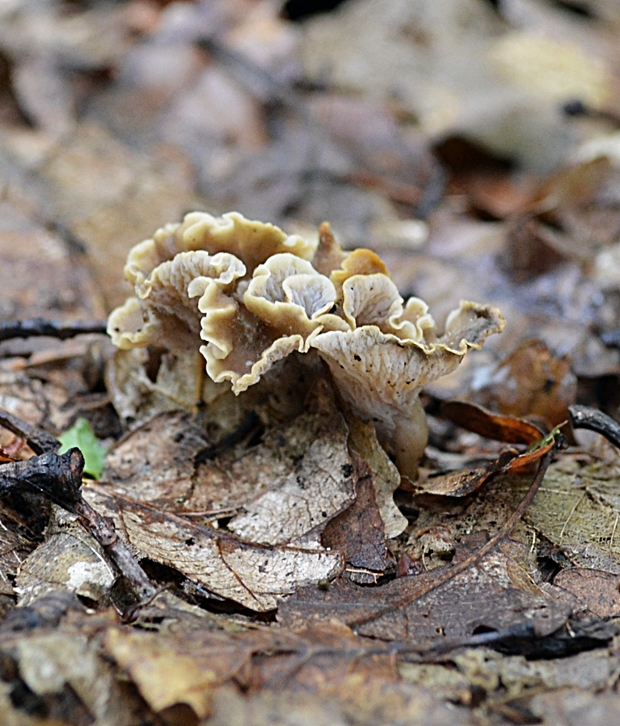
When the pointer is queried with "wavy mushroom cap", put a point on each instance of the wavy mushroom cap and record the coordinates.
(250, 241)
(380, 374)
(374, 300)
(163, 312)
(289, 294)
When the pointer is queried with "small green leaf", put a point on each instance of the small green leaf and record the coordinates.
(82, 436)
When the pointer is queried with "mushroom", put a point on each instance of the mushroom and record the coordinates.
(251, 295)
(380, 374)
(162, 269)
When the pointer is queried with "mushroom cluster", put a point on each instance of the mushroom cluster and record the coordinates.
(251, 295)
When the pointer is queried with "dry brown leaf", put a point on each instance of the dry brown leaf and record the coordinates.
(531, 382)
(165, 676)
(485, 596)
(63, 678)
(155, 462)
(358, 533)
(504, 428)
(595, 590)
(363, 441)
(474, 418)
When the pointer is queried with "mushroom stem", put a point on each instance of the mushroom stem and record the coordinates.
(405, 438)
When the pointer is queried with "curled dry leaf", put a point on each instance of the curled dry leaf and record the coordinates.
(475, 418)
(531, 382)
(502, 428)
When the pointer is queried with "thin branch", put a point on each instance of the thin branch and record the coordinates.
(452, 572)
(584, 417)
(60, 329)
(39, 440)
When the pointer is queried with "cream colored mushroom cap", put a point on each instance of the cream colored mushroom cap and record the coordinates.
(374, 300)
(163, 312)
(251, 241)
(381, 374)
(289, 294)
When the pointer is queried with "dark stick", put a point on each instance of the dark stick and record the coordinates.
(246, 427)
(39, 440)
(59, 478)
(60, 329)
(103, 530)
(584, 417)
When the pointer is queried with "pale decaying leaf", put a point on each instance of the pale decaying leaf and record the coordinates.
(284, 491)
(307, 497)
(301, 465)
(53, 663)
(252, 575)
(69, 559)
(578, 509)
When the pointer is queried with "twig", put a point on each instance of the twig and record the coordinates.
(246, 427)
(59, 478)
(584, 417)
(39, 440)
(452, 572)
(103, 530)
(60, 329)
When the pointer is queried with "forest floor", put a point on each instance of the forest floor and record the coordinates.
(260, 559)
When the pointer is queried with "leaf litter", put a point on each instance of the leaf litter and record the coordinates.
(386, 600)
